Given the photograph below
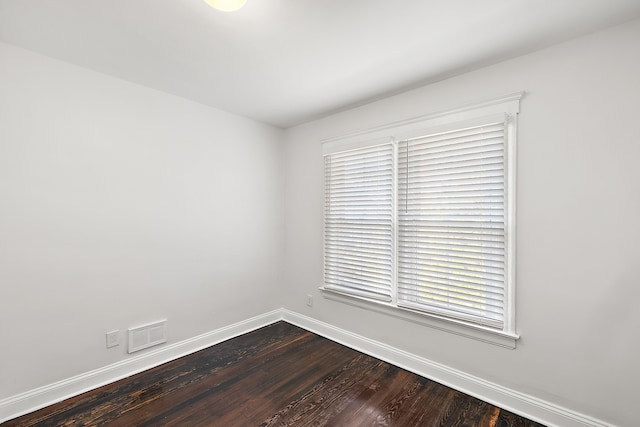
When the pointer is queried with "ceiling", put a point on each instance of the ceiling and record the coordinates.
(284, 62)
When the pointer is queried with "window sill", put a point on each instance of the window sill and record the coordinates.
(469, 330)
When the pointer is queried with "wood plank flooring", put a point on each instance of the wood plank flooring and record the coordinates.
(279, 375)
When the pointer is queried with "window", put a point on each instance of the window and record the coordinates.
(358, 222)
(419, 216)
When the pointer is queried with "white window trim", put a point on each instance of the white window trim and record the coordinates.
(457, 327)
(508, 105)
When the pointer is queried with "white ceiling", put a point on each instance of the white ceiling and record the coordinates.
(285, 62)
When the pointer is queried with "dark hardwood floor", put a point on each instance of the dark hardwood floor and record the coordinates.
(279, 375)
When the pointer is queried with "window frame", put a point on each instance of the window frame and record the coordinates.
(509, 107)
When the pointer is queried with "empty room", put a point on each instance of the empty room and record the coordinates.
(319, 213)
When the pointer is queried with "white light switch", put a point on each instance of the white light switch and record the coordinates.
(113, 338)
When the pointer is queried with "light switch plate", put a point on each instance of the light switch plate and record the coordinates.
(113, 338)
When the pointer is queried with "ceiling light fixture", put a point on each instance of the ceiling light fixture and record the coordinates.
(226, 5)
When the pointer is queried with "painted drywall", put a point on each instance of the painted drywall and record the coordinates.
(577, 213)
(122, 205)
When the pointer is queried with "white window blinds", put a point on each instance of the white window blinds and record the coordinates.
(358, 222)
(451, 224)
(420, 219)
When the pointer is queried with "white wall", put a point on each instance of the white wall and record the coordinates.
(578, 231)
(122, 205)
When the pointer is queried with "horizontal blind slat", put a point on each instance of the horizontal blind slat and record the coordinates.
(449, 284)
(377, 281)
(446, 162)
(409, 279)
(459, 297)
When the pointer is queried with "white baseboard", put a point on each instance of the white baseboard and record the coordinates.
(519, 403)
(40, 397)
(528, 406)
